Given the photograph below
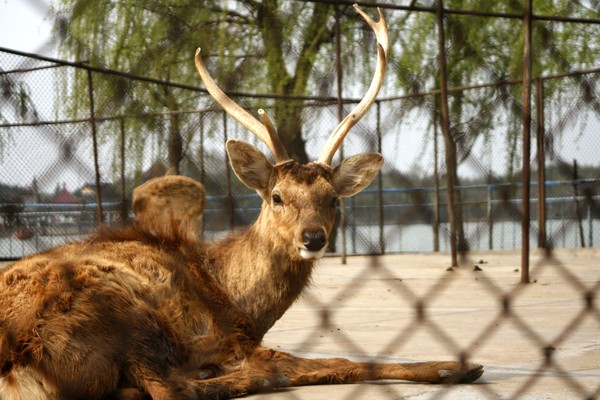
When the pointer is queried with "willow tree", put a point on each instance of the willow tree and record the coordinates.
(269, 46)
(490, 49)
(285, 47)
(15, 104)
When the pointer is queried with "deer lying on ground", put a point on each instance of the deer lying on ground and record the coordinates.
(137, 313)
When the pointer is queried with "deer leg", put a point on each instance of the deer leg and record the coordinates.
(302, 371)
(181, 387)
(129, 394)
(202, 384)
(243, 381)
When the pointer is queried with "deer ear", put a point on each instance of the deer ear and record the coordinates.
(355, 173)
(250, 165)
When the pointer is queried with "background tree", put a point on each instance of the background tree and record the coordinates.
(271, 46)
(290, 44)
(286, 48)
(15, 103)
(484, 49)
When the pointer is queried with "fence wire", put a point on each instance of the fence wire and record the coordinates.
(49, 190)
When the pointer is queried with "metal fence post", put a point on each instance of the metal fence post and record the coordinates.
(380, 182)
(436, 180)
(590, 225)
(340, 112)
(202, 167)
(541, 163)
(99, 213)
(577, 206)
(525, 218)
(201, 149)
(448, 140)
(490, 220)
(123, 207)
(230, 206)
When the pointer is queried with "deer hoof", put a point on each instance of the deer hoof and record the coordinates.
(465, 374)
(281, 381)
(445, 373)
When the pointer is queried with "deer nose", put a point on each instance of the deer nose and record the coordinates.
(314, 240)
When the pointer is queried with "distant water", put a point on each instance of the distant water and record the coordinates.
(15, 248)
(415, 238)
(418, 238)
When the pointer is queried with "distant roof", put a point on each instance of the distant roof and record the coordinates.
(64, 197)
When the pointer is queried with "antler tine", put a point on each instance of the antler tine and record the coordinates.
(278, 149)
(340, 132)
(267, 132)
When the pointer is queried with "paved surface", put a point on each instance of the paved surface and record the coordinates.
(372, 317)
(365, 310)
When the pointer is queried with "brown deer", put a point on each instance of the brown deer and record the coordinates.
(138, 313)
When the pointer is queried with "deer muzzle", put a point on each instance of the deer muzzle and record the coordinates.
(314, 243)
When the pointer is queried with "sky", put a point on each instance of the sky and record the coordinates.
(25, 25)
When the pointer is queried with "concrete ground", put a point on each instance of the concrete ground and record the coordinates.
(365, 311)
(370, 315)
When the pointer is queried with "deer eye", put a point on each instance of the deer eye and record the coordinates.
(277, 199)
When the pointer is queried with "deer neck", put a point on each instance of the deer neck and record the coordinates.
(261, 272)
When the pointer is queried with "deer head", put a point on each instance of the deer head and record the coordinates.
(299, 201)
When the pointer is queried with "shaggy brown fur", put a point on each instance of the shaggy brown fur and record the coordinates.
(137, 313)
(124, 309)
(170, 199)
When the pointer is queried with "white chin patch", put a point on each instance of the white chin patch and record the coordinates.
(312, 255)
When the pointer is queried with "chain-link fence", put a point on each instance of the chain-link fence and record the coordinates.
(51, 187)
(59, 175)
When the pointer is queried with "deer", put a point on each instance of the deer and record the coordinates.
(151, 311)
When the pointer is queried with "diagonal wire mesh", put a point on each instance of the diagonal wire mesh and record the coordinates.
(49, 195)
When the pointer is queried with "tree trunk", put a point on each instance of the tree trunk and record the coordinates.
(288, 116)
(289, 121)
(462, 245)
(175, 145)
(458, 236)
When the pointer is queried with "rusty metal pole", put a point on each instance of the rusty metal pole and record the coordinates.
(525, 219)
(230, 205)
(578, 213)
(201, 149)
(340, 113)
(123, 209)
(202, 167)
(541, 164)
(436, 181)
(380, 183)
(445, 122)
(99, 213)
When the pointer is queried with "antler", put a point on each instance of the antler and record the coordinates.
(265, 131)
(338, 135)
